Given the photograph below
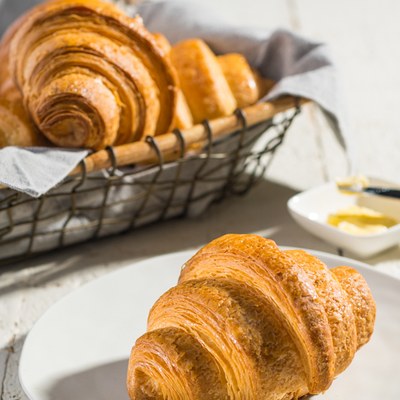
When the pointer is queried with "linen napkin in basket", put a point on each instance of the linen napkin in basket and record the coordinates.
(300, 66)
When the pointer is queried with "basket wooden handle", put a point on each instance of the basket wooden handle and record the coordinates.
(169, 144)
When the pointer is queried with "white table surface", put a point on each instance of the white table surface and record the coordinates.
(363, 35)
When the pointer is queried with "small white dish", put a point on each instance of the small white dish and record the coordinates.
(311, 208)
(79, 348)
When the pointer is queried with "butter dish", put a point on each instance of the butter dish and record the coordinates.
(311, 209)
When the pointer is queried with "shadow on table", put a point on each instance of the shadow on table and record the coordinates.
(104, 382)
(262, 211)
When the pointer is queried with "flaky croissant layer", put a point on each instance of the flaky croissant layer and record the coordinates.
(249, 321)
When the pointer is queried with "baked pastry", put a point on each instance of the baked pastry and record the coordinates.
(90, 76)
(214, 86)
(202, 80)
(16, 128)
(83, 74)
(245, 83)
(249, 321)
(183, 117)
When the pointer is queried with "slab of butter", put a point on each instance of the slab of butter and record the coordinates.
(361, 220)
(363, 229)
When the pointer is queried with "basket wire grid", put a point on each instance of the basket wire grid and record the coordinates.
(98, 204)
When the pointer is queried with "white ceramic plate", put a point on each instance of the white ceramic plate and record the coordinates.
(80, 347)
(311, 208)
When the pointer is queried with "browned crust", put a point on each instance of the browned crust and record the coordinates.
(360, 297)
(202, 80)
(338, 310)
(241, 79)
(293, 293)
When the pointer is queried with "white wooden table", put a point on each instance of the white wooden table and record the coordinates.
(363, 36)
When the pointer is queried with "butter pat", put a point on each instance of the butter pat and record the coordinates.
(361, 220)
(362, 229)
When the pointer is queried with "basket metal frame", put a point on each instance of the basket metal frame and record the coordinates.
(242, 165)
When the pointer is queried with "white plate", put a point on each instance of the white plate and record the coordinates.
(311, 208)
(80, 347)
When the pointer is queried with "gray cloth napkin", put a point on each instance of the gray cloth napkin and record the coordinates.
(300, 66)
(36, 170)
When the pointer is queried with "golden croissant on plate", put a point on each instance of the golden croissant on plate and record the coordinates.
(250, 321)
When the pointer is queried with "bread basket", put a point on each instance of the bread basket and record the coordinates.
(122, 188)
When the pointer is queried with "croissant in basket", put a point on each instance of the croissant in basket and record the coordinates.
(84, 74)
(249, 321)
(90, 76)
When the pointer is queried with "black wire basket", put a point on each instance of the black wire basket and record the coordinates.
(93, 204)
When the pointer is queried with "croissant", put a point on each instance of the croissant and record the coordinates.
(249, 321)
(214, 85)
(183, 117)
(202, 80)
(243, 81)
(16, 128)
(90, 76)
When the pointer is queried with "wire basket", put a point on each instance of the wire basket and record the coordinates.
(96, 202)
